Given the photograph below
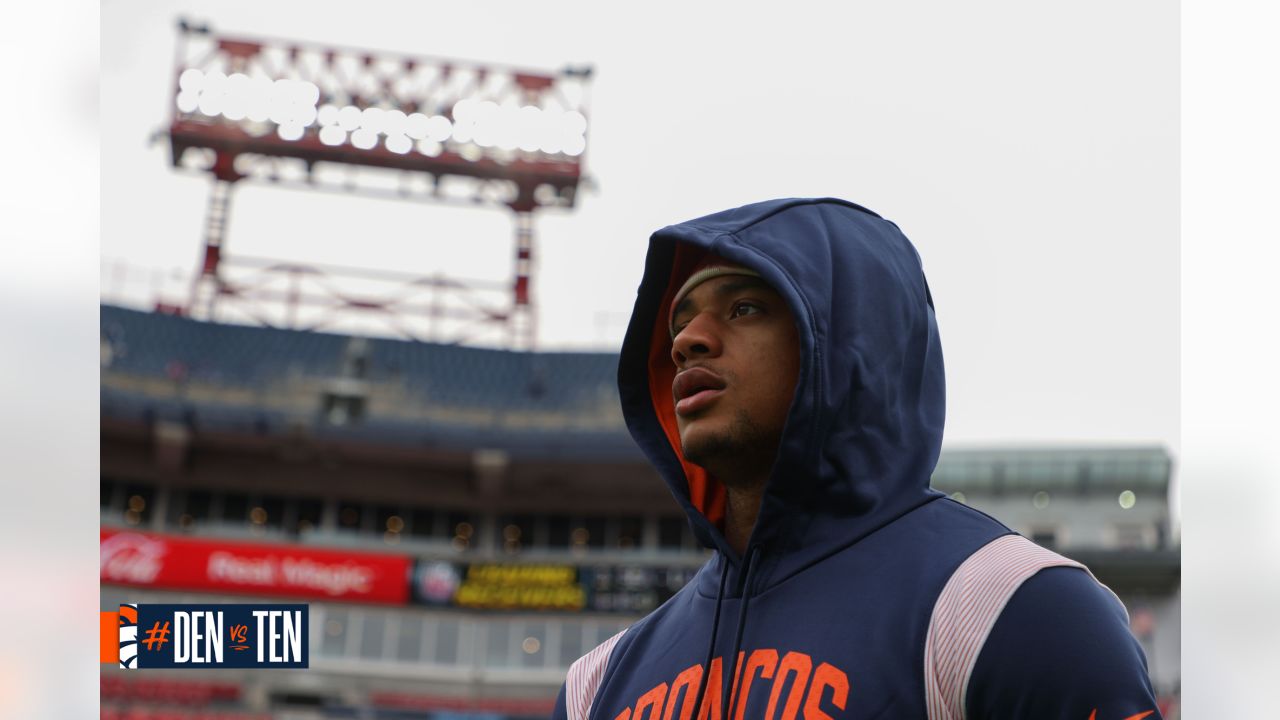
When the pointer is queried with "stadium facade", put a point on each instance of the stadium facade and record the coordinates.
(466, 522)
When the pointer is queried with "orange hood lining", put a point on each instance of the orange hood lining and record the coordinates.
(705, 492)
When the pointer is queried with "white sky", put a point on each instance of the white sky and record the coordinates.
(1029, 150)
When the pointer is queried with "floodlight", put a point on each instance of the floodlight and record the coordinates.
(327, 114)
(349, 118)
(417, 126)
(430, 148)
(371, 120)
(399, 143)
(188, 101)
(291, 131)
(364, 138)
(332, 135)
(393, 122)
(454, 131)
(191, 80)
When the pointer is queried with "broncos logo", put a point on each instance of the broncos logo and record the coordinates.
(128, 636)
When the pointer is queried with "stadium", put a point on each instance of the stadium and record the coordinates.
(515, 524)
(464, 513)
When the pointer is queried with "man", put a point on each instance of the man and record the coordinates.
(782, 371)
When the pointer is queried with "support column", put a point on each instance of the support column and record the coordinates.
(208, 282)
(523, 329)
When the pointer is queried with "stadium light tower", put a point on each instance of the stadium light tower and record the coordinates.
(350, 120)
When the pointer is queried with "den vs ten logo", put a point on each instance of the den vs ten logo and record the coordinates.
(213, 636)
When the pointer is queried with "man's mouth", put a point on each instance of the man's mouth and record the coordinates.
(694, 389)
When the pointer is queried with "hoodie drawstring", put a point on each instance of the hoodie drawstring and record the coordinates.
(711, 648)
(727, 678)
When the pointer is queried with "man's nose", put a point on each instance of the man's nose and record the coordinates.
(699, 338)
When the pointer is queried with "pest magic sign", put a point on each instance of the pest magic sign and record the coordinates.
(166, 561)
(213, 636)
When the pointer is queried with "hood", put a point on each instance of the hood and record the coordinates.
(865, 427)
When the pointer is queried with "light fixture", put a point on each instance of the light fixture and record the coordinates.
(332, 135)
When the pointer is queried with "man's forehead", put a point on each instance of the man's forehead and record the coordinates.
(714, 288)
(724, 284)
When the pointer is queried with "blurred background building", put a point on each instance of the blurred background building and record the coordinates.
(465, 514)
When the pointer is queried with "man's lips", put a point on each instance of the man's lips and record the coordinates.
(694, 388)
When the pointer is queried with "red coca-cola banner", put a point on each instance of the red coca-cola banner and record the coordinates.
(180, 563)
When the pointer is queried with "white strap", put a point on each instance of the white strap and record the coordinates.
(968, 608)
(584, 679)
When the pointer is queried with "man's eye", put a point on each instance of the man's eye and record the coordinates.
(745, 308)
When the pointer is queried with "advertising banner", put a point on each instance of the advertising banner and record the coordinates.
(293, 571)
(566, 588)
(180, 563)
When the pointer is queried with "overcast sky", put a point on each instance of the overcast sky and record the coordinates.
(1029, 150)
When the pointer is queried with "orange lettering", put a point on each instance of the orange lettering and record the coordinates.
(825, 677)
(710, 709)
(799, 665)
(688, 680)
(624, 715)
(766, 661)
(651, 701)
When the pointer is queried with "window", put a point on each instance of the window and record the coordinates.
(515, 533)
(268, 512)
(461, 530)
(106, 492)
(372, 635)
(138, 500)
(389, 523)
(604, 631)
(594, 529)
(350, 517)
(409, 639)
(446, 645)
(570, 642)
(558, 531)
(422, 523)
(235, 508)
(630, 532)
(309, 513)
(533, 645)
(1130, 536)
(191, 508)
(334, 640)
(498, 645)
(1045, 537)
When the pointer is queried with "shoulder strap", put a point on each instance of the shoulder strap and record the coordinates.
(967, 609)
(584, 679)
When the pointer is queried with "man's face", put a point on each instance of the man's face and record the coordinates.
(737, 356)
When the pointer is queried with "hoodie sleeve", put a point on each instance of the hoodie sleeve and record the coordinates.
(1061, 649)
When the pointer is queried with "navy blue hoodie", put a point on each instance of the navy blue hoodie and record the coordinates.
(862, 593)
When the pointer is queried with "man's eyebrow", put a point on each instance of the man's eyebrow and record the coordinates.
(739, 283)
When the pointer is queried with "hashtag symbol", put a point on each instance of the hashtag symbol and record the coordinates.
(157, 636)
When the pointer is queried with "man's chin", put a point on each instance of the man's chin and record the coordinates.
(703, 445)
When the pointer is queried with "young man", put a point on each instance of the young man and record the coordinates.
(783, 373)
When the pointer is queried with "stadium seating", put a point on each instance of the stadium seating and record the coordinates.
(258, 380)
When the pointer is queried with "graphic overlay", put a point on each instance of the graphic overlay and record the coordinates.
(211, 636)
